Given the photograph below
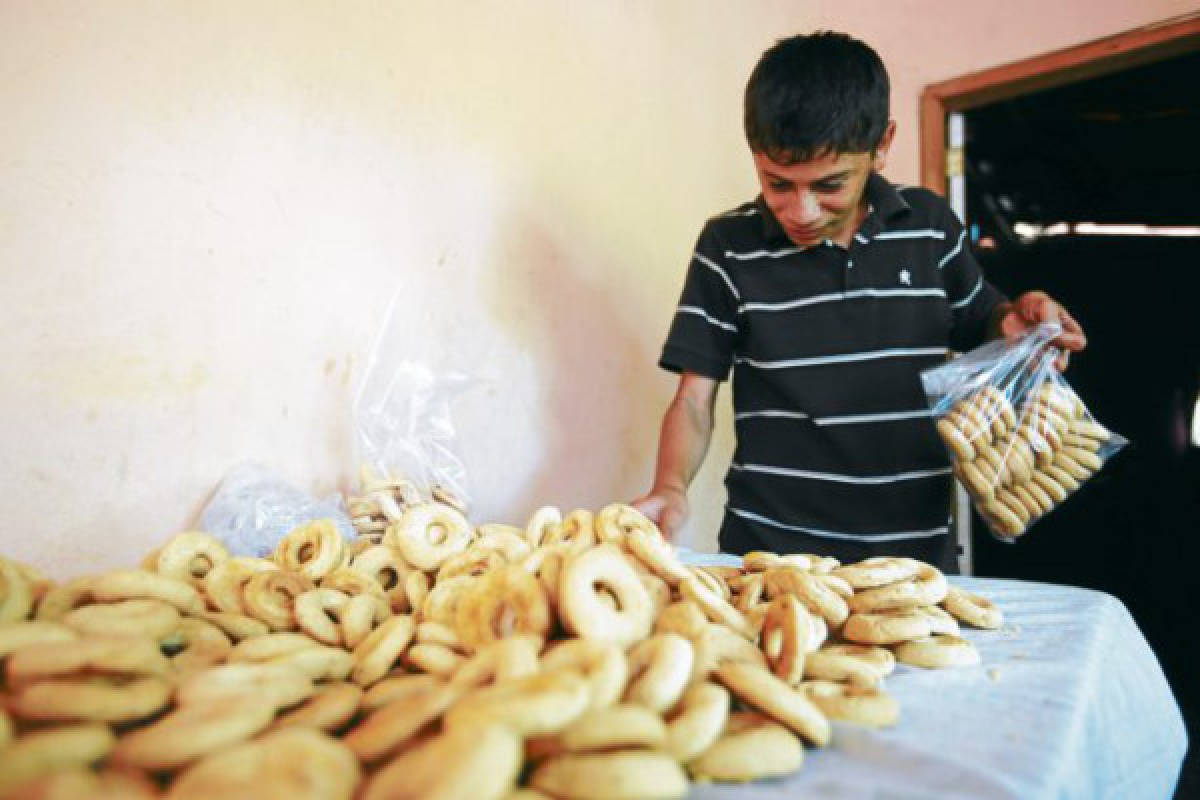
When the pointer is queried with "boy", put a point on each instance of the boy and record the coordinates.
(827, 295)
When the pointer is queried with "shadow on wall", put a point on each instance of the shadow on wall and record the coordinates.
(598, 405)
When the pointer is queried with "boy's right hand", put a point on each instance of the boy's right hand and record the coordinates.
(668, 508)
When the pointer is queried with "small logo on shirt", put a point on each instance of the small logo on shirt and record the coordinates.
(906, 277)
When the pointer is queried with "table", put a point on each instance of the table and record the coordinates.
(1069, 702)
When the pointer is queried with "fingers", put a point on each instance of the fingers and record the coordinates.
(1069, 324)
(1073, 337)
(1034, 308)
(668, 514)
(1071, 342)
(1013, 326)
(672, 520)
(651, 505)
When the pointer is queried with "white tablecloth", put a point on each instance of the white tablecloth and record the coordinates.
(1069, 702)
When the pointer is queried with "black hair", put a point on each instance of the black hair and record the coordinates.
(815, 94)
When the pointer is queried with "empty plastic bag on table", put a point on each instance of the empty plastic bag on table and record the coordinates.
(254, 508)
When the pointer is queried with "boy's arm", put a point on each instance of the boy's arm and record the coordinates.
(686, 433)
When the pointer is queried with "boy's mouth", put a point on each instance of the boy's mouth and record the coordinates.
(813, 232)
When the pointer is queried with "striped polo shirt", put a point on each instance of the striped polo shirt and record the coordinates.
(836, 450)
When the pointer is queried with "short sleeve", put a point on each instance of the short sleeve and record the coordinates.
(972, 299)
(704, 330)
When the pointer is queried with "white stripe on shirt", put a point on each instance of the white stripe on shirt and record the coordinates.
(870, 480)
(836, 296)
(899, 352)
(953, 252)
(700, 312)
(864, 537)
(967, 300)
(889, 416)
(846, 419)
(922, 233)
(708, 262)
(750, 212)
(753, 254)
(771, 412)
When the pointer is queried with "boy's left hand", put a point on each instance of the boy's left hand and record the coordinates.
(1033, 308)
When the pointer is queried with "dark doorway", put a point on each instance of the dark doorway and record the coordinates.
(1118, 149)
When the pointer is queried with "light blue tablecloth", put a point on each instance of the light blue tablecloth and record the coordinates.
(1069, 702)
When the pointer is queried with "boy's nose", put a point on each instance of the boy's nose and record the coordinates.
(805, 210)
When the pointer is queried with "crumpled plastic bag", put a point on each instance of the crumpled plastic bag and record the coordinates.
(253, 509)
(404, 427)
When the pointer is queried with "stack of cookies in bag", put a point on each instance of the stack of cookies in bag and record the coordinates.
(1019, 462)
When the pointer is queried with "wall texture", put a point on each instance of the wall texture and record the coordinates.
(206, 209)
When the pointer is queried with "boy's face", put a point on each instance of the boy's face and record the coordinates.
(822, 198)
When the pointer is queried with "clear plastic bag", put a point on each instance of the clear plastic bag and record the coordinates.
(1020, 439)
(406, 449)
(404, 430)
(254, 508)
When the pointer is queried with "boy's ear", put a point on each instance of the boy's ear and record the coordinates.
(879, 156)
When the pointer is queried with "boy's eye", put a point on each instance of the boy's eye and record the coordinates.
(828, 187)
(780, 186)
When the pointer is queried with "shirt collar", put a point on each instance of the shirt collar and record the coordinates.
(883, 200)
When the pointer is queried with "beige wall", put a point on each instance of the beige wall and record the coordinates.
(205, 208)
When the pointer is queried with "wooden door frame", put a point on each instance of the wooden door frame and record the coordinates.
(1154, 42)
